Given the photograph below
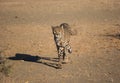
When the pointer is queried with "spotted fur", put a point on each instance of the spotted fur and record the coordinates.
(62, 36)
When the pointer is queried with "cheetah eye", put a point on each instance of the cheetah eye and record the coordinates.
(56, 35)
(55, 32)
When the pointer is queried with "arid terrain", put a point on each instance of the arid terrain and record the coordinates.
(26, 40)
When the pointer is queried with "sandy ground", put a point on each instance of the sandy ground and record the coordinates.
(25, 35)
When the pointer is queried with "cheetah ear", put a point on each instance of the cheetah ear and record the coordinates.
(52, 27)
(61, 26)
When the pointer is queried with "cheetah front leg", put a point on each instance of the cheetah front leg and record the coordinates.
(60, 57)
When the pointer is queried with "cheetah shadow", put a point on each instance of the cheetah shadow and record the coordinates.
(48, 61)
(117, 36)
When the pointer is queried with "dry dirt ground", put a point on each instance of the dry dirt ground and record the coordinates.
(26, 39)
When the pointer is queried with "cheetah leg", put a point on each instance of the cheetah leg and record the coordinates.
(60, 55)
